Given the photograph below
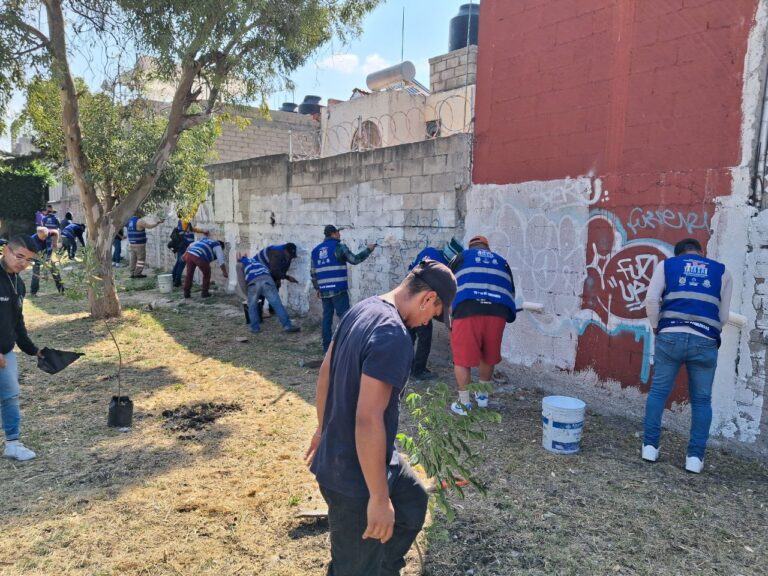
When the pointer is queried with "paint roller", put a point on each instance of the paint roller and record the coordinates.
(531, 307)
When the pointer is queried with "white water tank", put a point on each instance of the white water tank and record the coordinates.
(403, 72)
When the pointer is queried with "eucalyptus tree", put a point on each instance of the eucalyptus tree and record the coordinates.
(211, 51)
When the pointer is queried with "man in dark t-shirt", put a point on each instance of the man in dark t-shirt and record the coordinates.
(373, 496)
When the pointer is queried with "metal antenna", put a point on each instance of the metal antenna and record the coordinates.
(402, 38)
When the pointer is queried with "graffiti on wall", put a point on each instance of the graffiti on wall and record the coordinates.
(587, 261)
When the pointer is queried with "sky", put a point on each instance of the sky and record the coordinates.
(337, 69)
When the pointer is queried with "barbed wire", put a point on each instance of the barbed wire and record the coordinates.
(452, 115)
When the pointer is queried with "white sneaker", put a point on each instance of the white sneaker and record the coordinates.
(694, 464)
(482, 399)
(460, 409)
(17, 451)
(650, 453)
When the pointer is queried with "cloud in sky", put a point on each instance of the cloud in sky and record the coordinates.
(374, 63)
(349, 64)
(343, 63)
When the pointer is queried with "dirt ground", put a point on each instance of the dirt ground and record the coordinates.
(210, 477)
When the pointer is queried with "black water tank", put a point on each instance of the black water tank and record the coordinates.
(288, 107)
(469, 15)
(311, 105)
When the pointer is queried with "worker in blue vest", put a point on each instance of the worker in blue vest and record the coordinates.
(484, 304)
(200, 254)
(69, 237)
(185, 232)
(45, 241)
(260, 284)
(422, 335)
(329, 276)
(50, 220)
(687, 304)
(277, 258)
(137, 242)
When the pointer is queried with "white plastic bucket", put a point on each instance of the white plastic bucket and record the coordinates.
(165, 283)
(562, 419)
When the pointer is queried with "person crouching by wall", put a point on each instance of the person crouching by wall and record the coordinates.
(200, 254)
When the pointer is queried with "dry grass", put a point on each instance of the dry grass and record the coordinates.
(221, 499)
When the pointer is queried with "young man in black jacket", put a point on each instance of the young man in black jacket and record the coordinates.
(19, 253)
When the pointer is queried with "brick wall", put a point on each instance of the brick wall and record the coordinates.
(453, 70)
(606, 132)
(403, 197)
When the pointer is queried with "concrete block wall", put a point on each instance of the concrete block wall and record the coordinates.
(264, 137)
(403, 198)
(453, 70)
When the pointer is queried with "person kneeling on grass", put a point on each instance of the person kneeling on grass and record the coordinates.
(200, 254)
(260, 283)
(376, 504)
(17, 255)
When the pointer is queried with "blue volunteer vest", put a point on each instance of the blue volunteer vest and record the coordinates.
(42, 245)
(136, 236)
(692, 294)
(432, 254)
(331, 274)
(253, 269)
(51, 222)
(188, 235)
(71, 231)
(263, 254)
(483, 276)
(203, 248)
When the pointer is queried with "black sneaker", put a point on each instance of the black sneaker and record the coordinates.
(292, 329)
(424, 375)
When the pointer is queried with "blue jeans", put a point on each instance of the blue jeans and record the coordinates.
(339, 303)
(699, 354)
(117, 251)
(348, 519)
(265, 286)
(9, 397)
(178, 268)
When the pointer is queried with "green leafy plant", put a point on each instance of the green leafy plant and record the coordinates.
(442, 444)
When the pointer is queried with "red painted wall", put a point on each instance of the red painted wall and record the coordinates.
(643, 94)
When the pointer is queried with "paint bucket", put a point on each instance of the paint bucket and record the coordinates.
(165, 283)
(120, 412)
(562, 419)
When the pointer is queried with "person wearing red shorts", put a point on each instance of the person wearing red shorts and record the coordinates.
(484, 304)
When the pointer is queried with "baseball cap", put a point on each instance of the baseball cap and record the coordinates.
(479, 240)
(330, 229)
(440, 278)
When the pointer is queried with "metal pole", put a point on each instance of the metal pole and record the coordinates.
(466, 68)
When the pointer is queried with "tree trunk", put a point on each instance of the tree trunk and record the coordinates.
(102, 295)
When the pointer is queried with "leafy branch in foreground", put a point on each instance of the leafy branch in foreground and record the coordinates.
(442, 444)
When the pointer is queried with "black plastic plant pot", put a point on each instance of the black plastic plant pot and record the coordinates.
(120, 412)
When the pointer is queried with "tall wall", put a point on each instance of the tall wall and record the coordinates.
(607, 130)
(402, 197)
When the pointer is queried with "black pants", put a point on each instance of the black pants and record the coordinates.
(36, 276)
(422, 336)
(348, 518)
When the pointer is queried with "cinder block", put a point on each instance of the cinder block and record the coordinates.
(411, 167)
(400, 185)
(431, 200)
(421, 184)
(435, 165)
(411, 201)
(443, 182)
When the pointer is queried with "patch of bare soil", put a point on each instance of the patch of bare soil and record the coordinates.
(196, 417)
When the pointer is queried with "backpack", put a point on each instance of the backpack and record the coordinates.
(177, 242)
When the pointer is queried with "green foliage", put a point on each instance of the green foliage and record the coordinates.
(442, 445)
(23, 189)
(119, 142)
